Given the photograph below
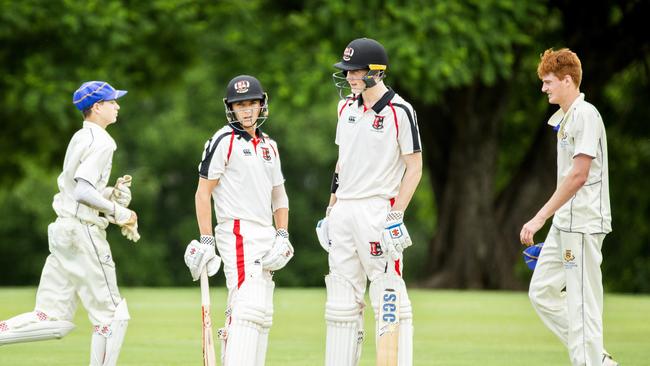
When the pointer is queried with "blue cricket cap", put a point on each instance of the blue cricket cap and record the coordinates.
(531, 254)
(92, 92)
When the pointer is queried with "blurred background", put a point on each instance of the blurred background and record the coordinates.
(468, 67)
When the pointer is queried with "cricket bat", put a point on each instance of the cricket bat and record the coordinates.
(388, 328)
(209, 358)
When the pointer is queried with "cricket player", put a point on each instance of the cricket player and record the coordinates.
(240, 170)
(571, 255)
(378, 169)
(80, 263)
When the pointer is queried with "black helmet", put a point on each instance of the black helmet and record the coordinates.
(361, 54)
(241, 88)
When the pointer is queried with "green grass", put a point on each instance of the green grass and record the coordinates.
(451, 328)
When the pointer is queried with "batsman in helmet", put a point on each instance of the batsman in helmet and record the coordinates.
(378, 169)
(240, 172)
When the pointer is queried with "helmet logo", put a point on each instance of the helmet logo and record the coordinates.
(347, 54)
(242, 86)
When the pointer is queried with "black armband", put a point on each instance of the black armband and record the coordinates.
(335, 182)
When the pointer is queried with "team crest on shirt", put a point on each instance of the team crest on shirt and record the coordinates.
(266, 154)
(242, 86)
(378, 123)
(375, 249)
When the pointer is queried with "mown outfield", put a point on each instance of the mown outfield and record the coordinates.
(451, 328)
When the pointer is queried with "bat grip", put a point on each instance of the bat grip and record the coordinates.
(205, 288)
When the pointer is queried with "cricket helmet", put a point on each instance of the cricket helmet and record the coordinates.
(241, 88)
(362, 54)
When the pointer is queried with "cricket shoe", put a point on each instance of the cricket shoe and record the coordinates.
(608, 360)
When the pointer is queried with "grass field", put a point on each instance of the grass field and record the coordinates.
(451, 328)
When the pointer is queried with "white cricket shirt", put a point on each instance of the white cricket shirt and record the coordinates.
(371, 144)
(90, 157)
(581, 131)
(247, 168)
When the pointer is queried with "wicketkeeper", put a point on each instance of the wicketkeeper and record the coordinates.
(379, 167)
(80, 263)
(240, 171)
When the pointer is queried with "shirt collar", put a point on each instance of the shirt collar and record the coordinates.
(95, 126)
(381, 103)
(558, 116)
(243, 134)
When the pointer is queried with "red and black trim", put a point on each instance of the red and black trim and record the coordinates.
(414, 125)
(239, 248)
(210, 148)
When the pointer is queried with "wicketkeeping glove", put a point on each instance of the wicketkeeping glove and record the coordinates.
(395, 238)
(200, 255)
(122, 191)
(280, 253)
(531, 254)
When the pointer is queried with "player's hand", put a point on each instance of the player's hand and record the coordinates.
(202, 254)
(323, 236)
(280, 253)
(394, 237)
(529, 229)
(122, 191)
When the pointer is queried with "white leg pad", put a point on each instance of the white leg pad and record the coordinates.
(107, 339)
(263, 340)
(344, 319)
(405, 338)
(245, 323)
(31, 327)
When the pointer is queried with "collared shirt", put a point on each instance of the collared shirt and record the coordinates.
(89, 157)
(247, 169)
(581, 131)
(371, 144)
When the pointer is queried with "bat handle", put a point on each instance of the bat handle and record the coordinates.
(205, 288)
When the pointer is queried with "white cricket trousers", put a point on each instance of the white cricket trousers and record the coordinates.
(241, 245)
(80, 264)
(355, 228)
(571, 260)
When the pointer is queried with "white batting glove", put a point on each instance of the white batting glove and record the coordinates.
(395, 238)
(203, 254)
(280, 253)
(322, 234)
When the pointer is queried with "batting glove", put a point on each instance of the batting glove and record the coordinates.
(322, 234)
(395, 238)
(202, 254)
(280, 253)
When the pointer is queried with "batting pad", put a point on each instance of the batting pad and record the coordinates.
(31, 327)
(344, 318)
(263, 339)
(106, 342)
(247, 319)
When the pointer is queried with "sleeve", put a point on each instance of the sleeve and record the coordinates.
(278, 177)
(408, 132)
(586, 132)
(215, 156)
(339, 110)
(93, 163)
